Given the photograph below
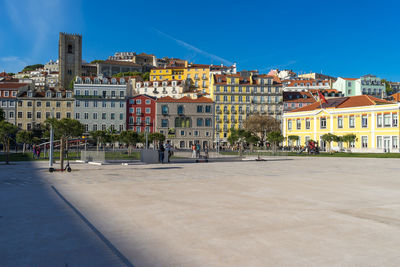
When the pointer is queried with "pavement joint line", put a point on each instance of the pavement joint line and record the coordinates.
(95, 230)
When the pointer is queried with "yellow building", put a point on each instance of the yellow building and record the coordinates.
(374, 121)
(168, 74)
(34, 107)
(237, 97)
(199, 75)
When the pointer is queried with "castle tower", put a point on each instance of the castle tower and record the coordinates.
(69, 58)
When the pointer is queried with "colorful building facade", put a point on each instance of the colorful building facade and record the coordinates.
(374, 121)
(141, 113)
(237, 96)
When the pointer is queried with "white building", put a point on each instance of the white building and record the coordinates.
(365, 85)
(173, 88)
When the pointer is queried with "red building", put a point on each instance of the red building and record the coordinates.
(141, 113)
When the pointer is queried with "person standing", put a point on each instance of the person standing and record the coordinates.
(34, 151)
(193, 151)
(168, 147)
(197, 150)
(206, 151)
(161, 150)
(38, 150)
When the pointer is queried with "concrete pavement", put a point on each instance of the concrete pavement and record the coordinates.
(299, 212)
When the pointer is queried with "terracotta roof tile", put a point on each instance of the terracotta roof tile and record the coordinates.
(345, 102)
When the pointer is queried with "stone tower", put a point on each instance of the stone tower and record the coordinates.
(69, 58)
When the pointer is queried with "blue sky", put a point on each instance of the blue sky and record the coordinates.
(341, 38)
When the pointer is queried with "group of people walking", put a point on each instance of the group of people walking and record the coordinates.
(161, 150)
(168, 147)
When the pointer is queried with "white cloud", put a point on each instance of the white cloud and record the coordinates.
(195, 49)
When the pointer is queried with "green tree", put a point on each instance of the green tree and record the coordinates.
(7, 132)
(156, 137)
(388, 88)
(275, 138)
(240, 137)
(349, 138)
(33, 67)
(329, 138)
(96, 61)
(63, 130)
(130, 138)
(100, 137)
(25, 137)
(261, 125)
(293, 138)
(11, 74)
(2, 115)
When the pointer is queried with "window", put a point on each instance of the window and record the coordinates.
(86, 116)
(208, 122)
(340, 122)
(77, 116)
(38, 115)
(148, 110)
(147, 120)
(69, 104)
(208, 109)
(58, 115)
(351, 121)
(364, 121)
(68, 115)
(38, 104)
(395, 142)
(364, 141)
(121, 104)
(323, 123)
(113, 104)
(199, 109)
(386, 120)
(19, 115)
(77, 103)
(104, 104)
(138, 129)
(121, 93)
(113, 116)
(138, 120)
(29, 115)
(164, 110)
(95, 104)
(298, 124)
(289, 125)
(94, 127)
(379, 120)
(138, 111)
(164, 123)
(182, 133)
(200, 122)
(394, 120)
(148, 102)
(180, 110)
(138, 101)
(196, 133)
(29, 104)
(86, 103)
(379, 141)
(103, 116)
(121, 116)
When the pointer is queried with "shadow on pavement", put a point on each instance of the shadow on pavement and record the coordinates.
(39, 227)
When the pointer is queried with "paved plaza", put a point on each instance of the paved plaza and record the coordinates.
(294, 212)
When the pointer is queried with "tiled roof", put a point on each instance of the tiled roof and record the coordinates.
(12, 85)
(396, 97)
(300, 100)
(345, 102)
(148, 96)
(350, 79)
(185, 99)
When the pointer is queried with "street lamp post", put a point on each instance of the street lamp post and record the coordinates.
(51, 144)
